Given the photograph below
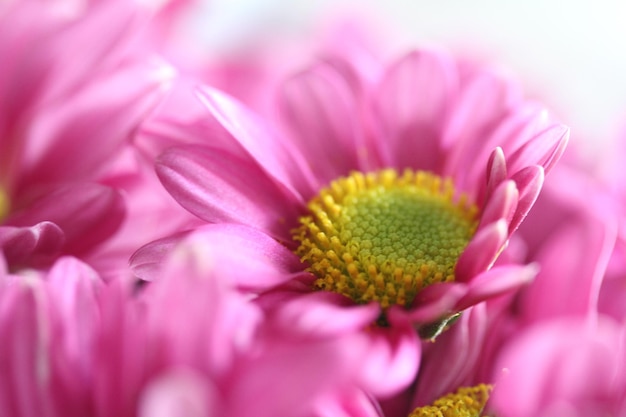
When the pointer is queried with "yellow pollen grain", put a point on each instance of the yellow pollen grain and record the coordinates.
(384, 236)
(466, 402)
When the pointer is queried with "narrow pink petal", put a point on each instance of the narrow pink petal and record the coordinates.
(430, 304)
(220, 187)
(545, 149)
(529, 182)
(88, 214)
(24, 355)
(94, 124)
(496, 170)
(321, 112)
(482, 105)
(255, 260)
(496, 281)
(482, 251)
(501, 204)
(412, 104)
(32, 246)
(324, 314)
(277, 156)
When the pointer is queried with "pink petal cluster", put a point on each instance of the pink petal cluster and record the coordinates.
(149, 193)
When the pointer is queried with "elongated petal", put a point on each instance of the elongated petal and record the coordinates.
(496, 281)
(545, 149)
(220, 187)
(481, 251)
(501, 204)
(322, 113)
(88, 214)
(413, 102)
(278, 157)
(529, 182)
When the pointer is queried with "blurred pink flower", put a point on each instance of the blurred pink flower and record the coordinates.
(189, 344)
(564, 367)
(74, 85)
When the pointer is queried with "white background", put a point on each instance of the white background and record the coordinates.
(572, 53)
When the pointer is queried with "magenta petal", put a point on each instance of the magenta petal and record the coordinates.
(482, 251)
(24, 352)
(394, 359)
(87, 213)
(278, 157)
(430, 304)
(545, 149)
(322, 112)
(501, 204)
(147, 262)
(31, 246)
(324, 314)
(496, 170)
(529, 182)
(412, 103)
(218, 186)
(496, 281)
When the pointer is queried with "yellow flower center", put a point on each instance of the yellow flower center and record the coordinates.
(383, 237)
(5, 204)
(466, 402)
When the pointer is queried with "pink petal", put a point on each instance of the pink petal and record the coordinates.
(321, 112)
(545, 149)
(24, 333)
(529, 182)
(220, 187)
(34, 245)
(179, 392)
(281, 160)
(496, 170)
(501, 204)
(496, 281)
(324, 313)
(482, 251)
(413, 103)
(483, 103)
(394, 360)
(147, 262)
(430, 304)
(87, 213)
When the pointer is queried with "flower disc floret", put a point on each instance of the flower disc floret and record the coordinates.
(466, 402)
(384, 237)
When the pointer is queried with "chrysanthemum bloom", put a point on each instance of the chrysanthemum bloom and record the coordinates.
(74, 85)
(394, 193)
(189, 344)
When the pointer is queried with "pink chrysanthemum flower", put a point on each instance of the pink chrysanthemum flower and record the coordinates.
(74, 85)
(392, 188)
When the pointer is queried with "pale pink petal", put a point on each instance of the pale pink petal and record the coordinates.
(34, 245)
(220, 187)
(88, 214)
(544, 149)
(322, 114)
(482, 104)
(496, 281)
(496, 170)
(412, 103)
(177, 393)
(482, 250)
(278, 157)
